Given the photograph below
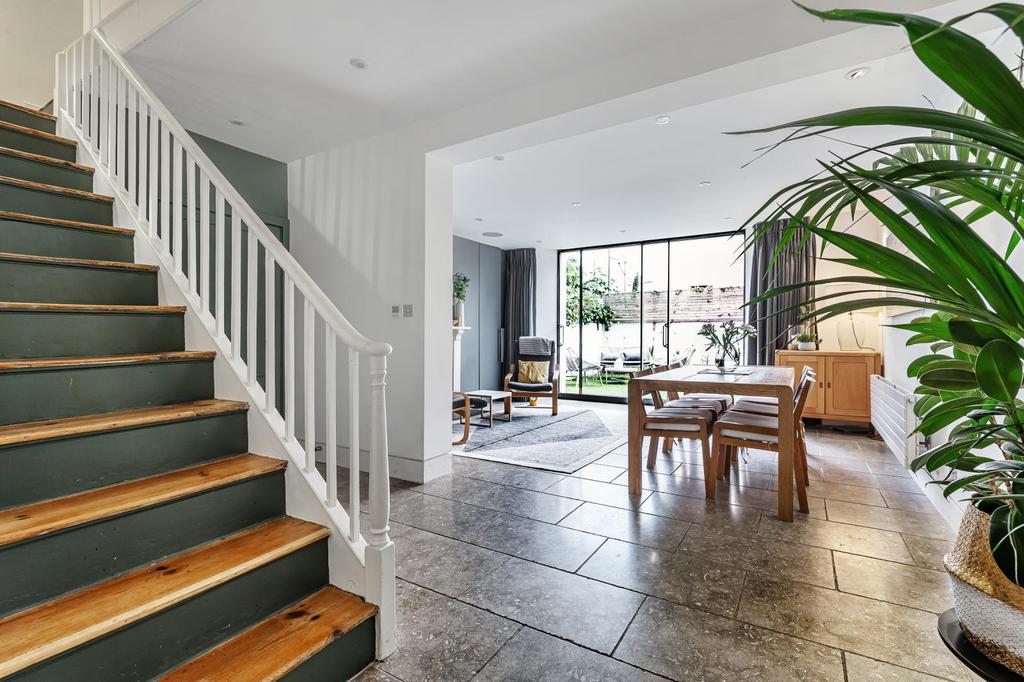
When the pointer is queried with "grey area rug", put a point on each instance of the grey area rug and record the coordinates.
(563, 443)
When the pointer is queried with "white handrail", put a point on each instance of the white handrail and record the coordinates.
(154, 165)
(347, 333)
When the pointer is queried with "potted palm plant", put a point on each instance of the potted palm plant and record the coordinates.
(930, 190)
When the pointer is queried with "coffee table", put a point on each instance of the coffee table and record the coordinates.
(491, 396)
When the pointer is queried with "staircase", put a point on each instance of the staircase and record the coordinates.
(139, 538)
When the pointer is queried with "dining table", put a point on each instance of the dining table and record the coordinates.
(753, 380)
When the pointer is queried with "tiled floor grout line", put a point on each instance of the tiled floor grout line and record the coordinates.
(618, 642)
(498, 650)
(591, 556)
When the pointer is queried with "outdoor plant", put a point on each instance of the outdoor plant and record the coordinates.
(725, 339)
(595, 289)
(460, 286)
(971, 161)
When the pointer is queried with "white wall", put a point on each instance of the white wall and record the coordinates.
(367, 229)
(842, 333)
(31, 33)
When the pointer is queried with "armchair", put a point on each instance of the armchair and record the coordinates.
(534, 349)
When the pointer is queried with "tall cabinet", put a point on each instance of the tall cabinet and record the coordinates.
(843, 388)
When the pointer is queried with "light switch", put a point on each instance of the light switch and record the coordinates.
(396, 311)
(407, 310)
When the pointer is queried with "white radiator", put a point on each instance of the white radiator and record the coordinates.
(892, 415)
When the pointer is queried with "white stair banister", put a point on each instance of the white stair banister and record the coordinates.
(161, 176)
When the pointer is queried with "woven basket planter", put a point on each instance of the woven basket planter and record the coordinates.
(989, 606)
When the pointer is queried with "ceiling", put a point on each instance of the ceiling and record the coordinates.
(284, 68)
(642, 180)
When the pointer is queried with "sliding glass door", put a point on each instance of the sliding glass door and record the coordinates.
(630, 306)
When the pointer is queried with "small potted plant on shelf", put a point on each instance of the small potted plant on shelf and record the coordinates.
(460, 287)
(724, 340)
(805, 341)
(970, 374)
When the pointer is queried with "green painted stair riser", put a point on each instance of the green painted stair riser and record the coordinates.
(37, 471)
(112, 546)
(37, 282)
(23, 118)
(45, 239)
(341, 659)
(31, 395)
(51, 334)
(25, 142)
(48, 174)
(37, 202)
(161, 642)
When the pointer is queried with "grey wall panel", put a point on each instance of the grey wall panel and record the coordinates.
(466, 259)
(492, 275)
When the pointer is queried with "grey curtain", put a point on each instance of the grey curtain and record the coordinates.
(793, 265)
(520, 310)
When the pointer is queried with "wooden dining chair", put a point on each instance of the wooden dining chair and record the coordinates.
(716, 401)
(772, 410)
(691, 423)
(736, 429)
(750, 401)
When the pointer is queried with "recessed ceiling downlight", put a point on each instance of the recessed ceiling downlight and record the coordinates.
(663, 120)
(576, 204)
(236, 122)
(358, 64)
(857, 73)
(498, 157)
(704, 184)
(494, 234)
(479, 220)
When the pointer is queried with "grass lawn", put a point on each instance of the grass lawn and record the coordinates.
(592, 386)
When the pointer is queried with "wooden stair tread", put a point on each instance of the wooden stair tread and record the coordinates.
(78, 262)
(271, 649)
(30, 156)
(18, 524)
(50, 629)
(57, 189)
(74, 224)
(27, 432)
(28, 110)
(90, 307)
(101, 360)
(37, 133)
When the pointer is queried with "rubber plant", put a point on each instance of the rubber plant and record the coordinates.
(929, 190)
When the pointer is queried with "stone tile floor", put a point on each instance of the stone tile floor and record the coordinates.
(508, 573)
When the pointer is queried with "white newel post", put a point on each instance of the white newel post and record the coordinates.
(380, 551)
(457, 333)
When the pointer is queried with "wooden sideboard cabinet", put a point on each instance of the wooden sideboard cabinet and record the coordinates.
(843, 390)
